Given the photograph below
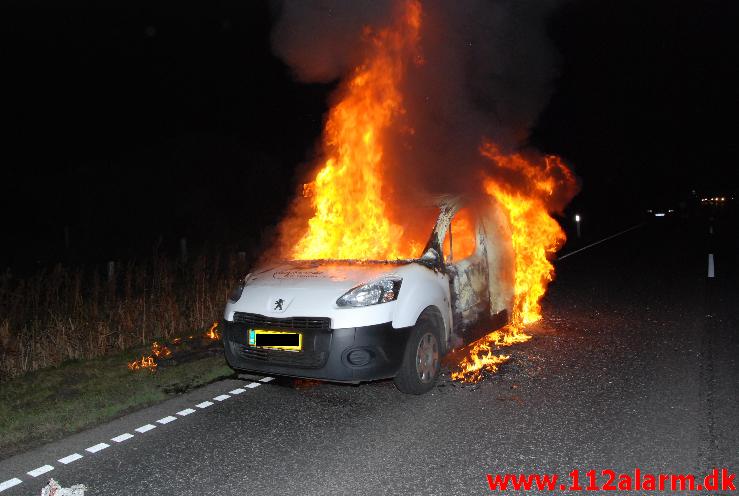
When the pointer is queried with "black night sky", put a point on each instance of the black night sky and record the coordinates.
(128, 125)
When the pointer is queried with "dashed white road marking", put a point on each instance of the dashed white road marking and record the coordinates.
(9, 483)
(41, 470)
(711, 271)
(122, 437)
(97, 447)
(144, 428)
(69, 459)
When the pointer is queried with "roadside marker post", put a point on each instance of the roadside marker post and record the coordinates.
(183, 250)
(111, 270)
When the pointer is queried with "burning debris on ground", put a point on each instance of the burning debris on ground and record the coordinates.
(185, 349)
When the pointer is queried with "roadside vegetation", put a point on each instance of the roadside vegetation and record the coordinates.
(48, 404)
(69, 335)
(61, 313)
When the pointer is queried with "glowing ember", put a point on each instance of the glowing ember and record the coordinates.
(213, 332)
(160, 350)
(350, 216)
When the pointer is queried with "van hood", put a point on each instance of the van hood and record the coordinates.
(335, 275)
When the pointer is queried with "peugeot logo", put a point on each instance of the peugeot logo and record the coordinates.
(278, 304)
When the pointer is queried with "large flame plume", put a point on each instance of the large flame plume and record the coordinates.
(535, 237)
(351, 218)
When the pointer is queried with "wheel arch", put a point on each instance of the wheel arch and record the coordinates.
(434, 314)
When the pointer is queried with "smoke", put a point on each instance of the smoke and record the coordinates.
(487, 73)
(320, 40)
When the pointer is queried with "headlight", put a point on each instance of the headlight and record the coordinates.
(235, 294)
(372, 293)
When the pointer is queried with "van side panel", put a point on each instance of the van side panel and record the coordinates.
(421, 288)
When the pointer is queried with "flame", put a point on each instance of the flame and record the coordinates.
(148, 362)
(160, 351)
(145, 363)
(462, 235)
(350, 215)
(213, 333)
(535, 237)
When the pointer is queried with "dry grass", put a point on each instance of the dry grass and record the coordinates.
(76, 313)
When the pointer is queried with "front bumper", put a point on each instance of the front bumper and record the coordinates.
(351, 354)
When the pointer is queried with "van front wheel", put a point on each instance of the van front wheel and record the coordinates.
(422, 359)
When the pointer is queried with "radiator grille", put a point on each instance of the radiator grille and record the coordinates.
(256, 321)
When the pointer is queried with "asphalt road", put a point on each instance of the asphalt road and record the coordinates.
(634, 366)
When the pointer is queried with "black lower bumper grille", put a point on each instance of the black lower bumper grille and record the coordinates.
(257, 321)
(308, 359)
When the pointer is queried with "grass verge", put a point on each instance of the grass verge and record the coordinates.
(48, 404)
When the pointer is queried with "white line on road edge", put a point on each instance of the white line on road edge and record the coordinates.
(97, 447)
(69, 459)
(41, 470)
(125, 436)
(9, 483)
(710, 265)
(599, 242)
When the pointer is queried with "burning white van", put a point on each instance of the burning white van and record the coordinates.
(353, 321)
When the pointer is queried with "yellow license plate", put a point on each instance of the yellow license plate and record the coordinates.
(276, 340)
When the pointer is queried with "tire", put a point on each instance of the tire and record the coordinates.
(422, 357)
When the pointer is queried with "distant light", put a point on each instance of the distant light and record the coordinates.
(723, 199)
(649, 211)
(670, 211)
(659, 214)
(577, 217)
